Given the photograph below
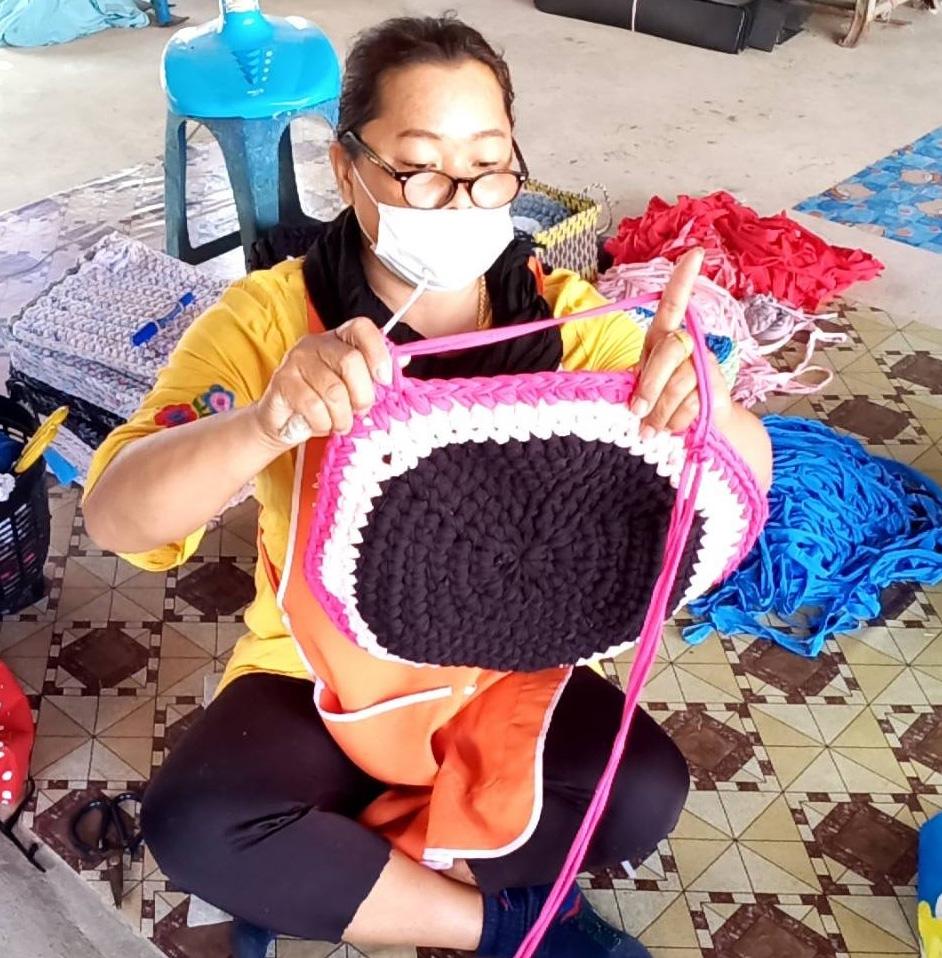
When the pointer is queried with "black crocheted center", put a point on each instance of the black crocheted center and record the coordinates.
(516, 556)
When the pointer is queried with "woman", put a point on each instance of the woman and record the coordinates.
(314, 821)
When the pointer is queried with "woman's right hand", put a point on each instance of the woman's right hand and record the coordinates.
(322, 382)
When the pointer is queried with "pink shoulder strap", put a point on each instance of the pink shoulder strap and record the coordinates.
(681, 522)
(459, 341)
(500, 334)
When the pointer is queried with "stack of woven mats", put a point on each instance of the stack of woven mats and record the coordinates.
(72, 345)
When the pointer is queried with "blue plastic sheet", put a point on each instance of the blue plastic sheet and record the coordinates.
(37, 23)
(843, 525)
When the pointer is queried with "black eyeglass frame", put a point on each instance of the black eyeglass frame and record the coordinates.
(402, 177)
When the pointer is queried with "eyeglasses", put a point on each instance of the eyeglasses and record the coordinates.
(433, 189)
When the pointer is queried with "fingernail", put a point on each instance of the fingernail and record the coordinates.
(648, 433)
(383, 373)
(640, 406)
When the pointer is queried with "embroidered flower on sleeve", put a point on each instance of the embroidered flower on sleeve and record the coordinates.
(215, 399)
(175, 415)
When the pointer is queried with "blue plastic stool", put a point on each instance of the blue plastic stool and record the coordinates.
(245, 77)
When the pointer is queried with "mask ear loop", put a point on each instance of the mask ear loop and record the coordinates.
(409, 303)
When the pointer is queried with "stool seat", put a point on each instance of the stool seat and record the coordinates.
(245, 64)
(245, 77)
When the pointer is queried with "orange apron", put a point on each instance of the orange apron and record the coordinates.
(461, 748)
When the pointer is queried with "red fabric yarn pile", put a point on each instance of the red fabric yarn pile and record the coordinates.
(746, 253)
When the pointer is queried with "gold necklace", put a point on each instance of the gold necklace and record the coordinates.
(484, 311)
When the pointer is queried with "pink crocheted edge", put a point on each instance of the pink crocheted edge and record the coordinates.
(412, 396)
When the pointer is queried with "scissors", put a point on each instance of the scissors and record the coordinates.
(107, 828)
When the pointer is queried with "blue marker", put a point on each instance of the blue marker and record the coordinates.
(149, 330)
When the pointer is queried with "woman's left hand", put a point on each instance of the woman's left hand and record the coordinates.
(666, 396)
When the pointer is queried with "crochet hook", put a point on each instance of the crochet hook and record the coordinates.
(149, 330)
(40, 440)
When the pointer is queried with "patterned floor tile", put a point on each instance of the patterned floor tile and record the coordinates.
(867, 839)
(876, 924)
(662, 919)
(215, 590)
(810, 777)
(758, 930)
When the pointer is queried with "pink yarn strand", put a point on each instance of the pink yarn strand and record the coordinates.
(682, 518)
(458, 341)
(722, 314)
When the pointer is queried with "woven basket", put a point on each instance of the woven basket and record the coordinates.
(573, 243)
(24, 521)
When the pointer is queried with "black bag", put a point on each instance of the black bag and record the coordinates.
(725, 25)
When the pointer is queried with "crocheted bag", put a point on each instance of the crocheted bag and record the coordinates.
(520, 522)
(514, 522)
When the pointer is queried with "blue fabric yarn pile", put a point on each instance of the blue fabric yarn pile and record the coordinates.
(843, 525)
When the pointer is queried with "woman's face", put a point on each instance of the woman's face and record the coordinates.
(431, 116)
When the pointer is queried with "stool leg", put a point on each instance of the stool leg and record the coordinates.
(289, 195)
(330, 111)
(289, 202)
(251, 149)
(175, 213)
(175, 226)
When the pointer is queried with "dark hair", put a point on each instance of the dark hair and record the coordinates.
(403, 42)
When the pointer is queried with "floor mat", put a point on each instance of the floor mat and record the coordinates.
(899, 197)
(39, 242)
(810, 778)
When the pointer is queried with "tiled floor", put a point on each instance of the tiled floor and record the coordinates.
(899, 196)
(810, 777)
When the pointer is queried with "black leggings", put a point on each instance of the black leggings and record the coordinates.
(255, 808)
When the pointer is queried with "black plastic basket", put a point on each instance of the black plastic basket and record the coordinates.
(24, 520)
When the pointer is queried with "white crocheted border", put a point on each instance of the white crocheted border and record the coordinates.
(384, 454)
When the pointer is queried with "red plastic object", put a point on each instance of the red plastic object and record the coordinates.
(746, 253)
(16, 739)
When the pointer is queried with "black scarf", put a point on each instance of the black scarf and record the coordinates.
(336, 283)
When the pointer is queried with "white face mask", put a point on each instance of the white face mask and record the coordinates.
(439, 250)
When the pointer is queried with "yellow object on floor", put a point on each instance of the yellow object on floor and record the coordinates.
(40, 441)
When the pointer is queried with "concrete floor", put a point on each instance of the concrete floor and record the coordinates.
(57, 914)
(594, 104)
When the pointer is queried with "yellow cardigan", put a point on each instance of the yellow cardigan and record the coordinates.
(228, 356)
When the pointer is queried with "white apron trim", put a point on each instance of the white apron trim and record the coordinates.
(441, 859)
(380, 708)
